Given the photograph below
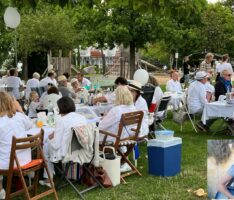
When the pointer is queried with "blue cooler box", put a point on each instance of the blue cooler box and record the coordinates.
(164, 156)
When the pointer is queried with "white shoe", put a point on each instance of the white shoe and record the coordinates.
(2, 194)
(125, 168)
(44, 183)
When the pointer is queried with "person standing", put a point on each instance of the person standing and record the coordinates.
(14, 82)
(206, 64)
(82, 80)
(224, 65)
(186, 68)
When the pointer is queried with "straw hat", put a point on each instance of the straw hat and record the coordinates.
(135, 85)
(62, 78)
(201, 75)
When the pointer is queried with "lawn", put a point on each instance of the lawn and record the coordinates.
(192, 175)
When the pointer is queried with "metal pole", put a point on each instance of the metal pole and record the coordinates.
(176, 63)
(16, 60)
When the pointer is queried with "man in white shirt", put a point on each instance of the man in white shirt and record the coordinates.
(173, 85)
(50, 79)
(32, 83)
(82, 80)
(4, 78)
(14, 82)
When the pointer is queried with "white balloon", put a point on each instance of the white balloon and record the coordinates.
(141, 76)
(11, 17)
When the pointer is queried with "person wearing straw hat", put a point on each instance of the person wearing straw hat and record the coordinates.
(140, 104)
(62, 87)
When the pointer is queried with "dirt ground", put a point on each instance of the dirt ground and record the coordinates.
(162, 78)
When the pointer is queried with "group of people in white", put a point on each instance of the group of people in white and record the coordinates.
(60, 93)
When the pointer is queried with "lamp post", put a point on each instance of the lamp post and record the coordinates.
(12, 20)
(176, 57)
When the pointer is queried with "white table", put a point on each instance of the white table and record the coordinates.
(217, 109)
(35, 131)
(176, 99)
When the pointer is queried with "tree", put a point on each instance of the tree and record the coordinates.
(218, 29)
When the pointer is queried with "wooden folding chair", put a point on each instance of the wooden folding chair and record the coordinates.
(34, 143)
(127, 119)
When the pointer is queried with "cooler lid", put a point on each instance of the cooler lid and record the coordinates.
(164, 143)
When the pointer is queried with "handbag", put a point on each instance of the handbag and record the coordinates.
(111, 164)
(180, 116)
(100, 175)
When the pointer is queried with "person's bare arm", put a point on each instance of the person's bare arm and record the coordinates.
(222, 186)
(99, 99)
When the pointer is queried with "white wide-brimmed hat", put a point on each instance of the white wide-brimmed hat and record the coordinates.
(135, 85)
(201, 75)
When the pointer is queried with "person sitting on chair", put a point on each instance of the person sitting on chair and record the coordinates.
(13, 122)
(141, 105)
(84, 82)
(173, 85)
(123, 104)
(158, 93)
(110, 98)
(56, 148)
(224, 84)
(62, 87)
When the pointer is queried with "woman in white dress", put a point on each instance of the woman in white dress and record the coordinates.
(55, 149)
(13, 122)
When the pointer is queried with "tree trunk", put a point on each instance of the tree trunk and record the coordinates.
(25, 64)
(103, 62)
(78, 57)
(132, 58)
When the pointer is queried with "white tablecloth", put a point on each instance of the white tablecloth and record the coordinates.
(47, 131)
(176, 99)
(101, 109)
(217, 109)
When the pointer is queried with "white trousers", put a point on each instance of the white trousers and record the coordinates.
(49, 163)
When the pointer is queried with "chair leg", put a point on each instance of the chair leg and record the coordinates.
(69, 182)
(161, 126)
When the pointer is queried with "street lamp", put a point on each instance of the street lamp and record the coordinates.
(12, 20)
(176, 57)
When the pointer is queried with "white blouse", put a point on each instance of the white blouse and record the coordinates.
(110, 122)
(9, 127)
(63, 129)
(53, 98)
(196, 97)
(158, 94)
(141, 105)
(173, 86)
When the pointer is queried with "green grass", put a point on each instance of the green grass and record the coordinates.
(192, 175)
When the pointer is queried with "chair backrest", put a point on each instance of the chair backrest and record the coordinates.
(148, 94)
(164, 104)
(129, 119)
(32, 142)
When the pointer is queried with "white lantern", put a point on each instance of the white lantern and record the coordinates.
(141, 76)
(11, 17)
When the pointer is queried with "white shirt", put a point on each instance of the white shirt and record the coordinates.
(15, 126)
(196, 97)
(14, 82)
(45, 81)
(209, 88)
(173, 86)
(158, 94)
(53, 98)
(63, 130)
(4, 80)
(141, 105)
(31, 83)
(222, 66)
(85, 82)
(110, 122)
(32, 113)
